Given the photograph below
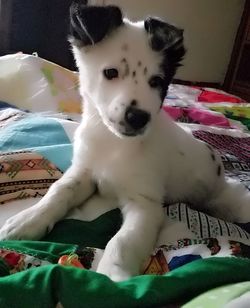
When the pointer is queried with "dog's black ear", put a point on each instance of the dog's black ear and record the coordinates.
(167, 39)
(90, 24)
(162, 35)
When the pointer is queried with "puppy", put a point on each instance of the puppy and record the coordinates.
(127, 151)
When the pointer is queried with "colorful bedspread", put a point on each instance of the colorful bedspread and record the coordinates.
(207, 106)
(194, 252)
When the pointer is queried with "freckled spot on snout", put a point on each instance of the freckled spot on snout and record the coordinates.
(145, 71)
(134, 74)
(139, 63)
(125, 47)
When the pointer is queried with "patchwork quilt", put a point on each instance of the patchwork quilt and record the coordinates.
(195, 252)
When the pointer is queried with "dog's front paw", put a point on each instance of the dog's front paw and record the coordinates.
(113, 271)
(119, 262)
(27, 225)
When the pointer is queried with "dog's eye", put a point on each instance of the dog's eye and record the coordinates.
(111, 73)
(156, 82)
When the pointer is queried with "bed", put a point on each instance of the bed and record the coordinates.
(198, 260)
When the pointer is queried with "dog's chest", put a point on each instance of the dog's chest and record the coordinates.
(121, 168)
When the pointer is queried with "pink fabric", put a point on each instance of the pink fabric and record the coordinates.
(195, 115)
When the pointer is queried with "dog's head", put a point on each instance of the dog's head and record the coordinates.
(125, 68)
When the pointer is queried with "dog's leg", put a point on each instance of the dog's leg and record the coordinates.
(232, 202)
(128, 249)
(73, 188)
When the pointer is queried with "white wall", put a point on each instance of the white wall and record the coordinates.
(210, 28)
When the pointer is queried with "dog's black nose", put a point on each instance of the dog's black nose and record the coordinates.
(136, 118)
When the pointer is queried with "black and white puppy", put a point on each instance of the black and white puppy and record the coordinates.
(126, 146)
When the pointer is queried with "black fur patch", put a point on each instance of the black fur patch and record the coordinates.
(91, 24)
(167, 39)
(162, 34)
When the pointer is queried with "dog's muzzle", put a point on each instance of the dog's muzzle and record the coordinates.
(135, 121)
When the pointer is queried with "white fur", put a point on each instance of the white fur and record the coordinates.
(134, 173)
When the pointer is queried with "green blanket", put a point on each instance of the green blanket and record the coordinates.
(47, 285)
